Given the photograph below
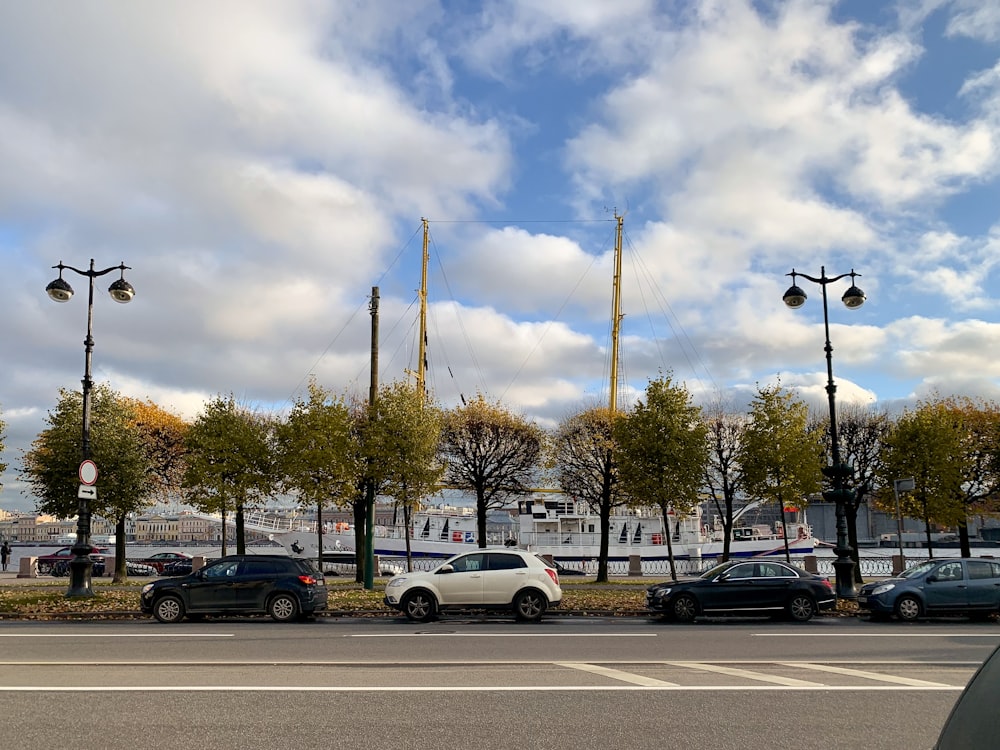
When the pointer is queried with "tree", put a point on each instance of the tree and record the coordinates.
(125, 482)
(926, 443)
(162, 434)
(723, 472)
(402, 441)
(318, 454)
(781, 459)
(861, 430)
(229, 462)
(662, 453)
(491, 453)
(584, 454)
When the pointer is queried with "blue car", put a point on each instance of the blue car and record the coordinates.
(963, 586)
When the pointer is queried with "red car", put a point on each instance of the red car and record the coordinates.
(160, 559)
(57, 563)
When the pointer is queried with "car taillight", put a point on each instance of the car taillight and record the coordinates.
(307, 580)
(554, 575)
(826, 582)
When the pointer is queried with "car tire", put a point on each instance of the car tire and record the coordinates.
(801, 607)
(529, 605)
(684, 608)
(418, 606)
(908, 608)
(169, 609)
(283, 608)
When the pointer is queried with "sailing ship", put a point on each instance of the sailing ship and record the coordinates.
(562, 528)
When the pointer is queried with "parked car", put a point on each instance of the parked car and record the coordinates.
(161, 559)
(57, 563)
(970, 723)
(285, 588)
(502, 578)
(955, 586)
(744, 587)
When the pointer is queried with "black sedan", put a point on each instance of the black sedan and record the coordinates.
(744, 587)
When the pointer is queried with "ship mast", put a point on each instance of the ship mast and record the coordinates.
(616, 315)
(422, 346)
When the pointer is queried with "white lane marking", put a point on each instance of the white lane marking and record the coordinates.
(745, 673)
(953, 634)
(465, 689)
(614, 674)
(864, 674)
(117, 635)
(503, 635)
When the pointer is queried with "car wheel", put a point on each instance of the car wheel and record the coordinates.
(418, 606)
(168, 609)
(283, 608)
(529, 606)
(801, 607)
(44, 569)
(908, 608)
(684, 608)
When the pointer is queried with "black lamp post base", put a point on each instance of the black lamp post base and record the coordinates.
(844, 568)
(80, 569)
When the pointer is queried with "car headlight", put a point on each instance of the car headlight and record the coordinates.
(147, 588)
(395, 582)
(661, 593)
(883, 588)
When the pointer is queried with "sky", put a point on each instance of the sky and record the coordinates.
(261, 166)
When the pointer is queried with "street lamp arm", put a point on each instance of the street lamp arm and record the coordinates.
(824, 279)
(91, 272)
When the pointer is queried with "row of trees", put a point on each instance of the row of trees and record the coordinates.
(334, 451)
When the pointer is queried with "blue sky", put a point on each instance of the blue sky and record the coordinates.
(262, 165)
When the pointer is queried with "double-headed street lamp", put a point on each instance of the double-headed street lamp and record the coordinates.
(60, 290)
(838, 472)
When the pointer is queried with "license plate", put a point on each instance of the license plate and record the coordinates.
(862, 600)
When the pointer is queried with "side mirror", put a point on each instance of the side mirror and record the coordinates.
(723, 577)
(931, 579)
(446, 569)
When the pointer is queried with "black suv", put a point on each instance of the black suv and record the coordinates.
(285, 588)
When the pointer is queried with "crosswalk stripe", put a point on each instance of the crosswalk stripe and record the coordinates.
(616, 674)
(864, 673)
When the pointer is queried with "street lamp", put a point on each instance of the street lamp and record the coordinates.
(60, 290)
(839, 473)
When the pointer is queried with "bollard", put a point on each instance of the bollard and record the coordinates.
(898, 564)
(197, 563)
(28, 568)
(634, 565)
(810, 564)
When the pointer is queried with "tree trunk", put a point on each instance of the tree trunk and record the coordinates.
(963, 538)
(851, 514)
(241, 538)
(121, 571)
(602, 560)
(670, 542)
(319, 536)
(481, 517)
(360, 514)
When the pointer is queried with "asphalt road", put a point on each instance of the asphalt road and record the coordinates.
(484, 683)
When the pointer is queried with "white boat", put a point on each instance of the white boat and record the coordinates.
(559, 527)
(569, 532)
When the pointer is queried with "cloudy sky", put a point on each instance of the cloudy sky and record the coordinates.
(261, 166)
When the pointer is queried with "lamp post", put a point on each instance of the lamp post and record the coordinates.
(60, 291)
(838, 472)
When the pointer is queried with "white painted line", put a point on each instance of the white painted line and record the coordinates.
(117, 635)
(615, 674)
(877, 635)
(486, 689)
(561, 636)
(745, 673)
(864, 674)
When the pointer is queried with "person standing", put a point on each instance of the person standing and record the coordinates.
(4, 554)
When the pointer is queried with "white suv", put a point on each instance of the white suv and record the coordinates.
(502, 578)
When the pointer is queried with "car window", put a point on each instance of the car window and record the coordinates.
(774, 570)
(918, 570)
(221, 570)
(468, 563)
(501, 561)
(259, 568)
(951, 571)
(979, 569)
(746, 570)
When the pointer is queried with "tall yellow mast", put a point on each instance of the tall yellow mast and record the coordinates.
(422, 346)
(616, 314)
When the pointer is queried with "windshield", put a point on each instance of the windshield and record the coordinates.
(918, 570)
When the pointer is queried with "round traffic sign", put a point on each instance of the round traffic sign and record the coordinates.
(88, 472)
